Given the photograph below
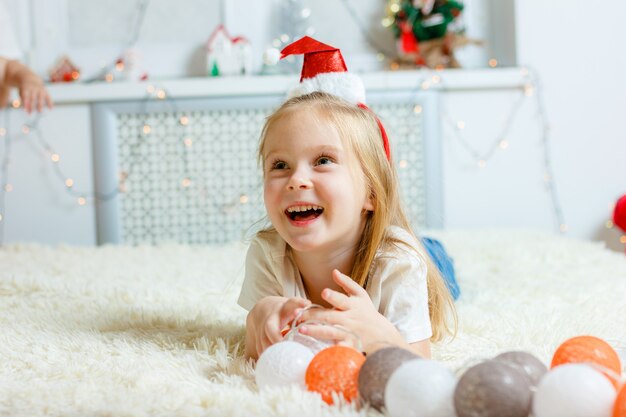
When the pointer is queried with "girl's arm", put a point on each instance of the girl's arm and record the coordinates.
(266, 320)
(422, 348)
(354, 311)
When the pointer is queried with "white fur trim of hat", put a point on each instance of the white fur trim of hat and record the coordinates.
(342, 84)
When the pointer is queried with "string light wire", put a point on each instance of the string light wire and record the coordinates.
(137, 21)
(547, 159)
(427, 81)
(531, 84)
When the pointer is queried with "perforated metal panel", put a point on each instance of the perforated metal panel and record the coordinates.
(192, 176)
(196, 182)
(404, 127)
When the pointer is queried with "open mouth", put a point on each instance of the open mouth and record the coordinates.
(304, 213)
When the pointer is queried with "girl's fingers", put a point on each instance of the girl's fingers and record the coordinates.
(272, 337)
(348, 285)
(320, 331)
(327, 316)
(334, 334)
(336, 299)
(290, 310)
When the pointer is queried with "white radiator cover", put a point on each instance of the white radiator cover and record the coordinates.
(198, 181)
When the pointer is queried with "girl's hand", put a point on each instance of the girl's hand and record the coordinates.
(353, 311)
(266, 320)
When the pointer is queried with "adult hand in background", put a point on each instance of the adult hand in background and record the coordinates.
(30, 86)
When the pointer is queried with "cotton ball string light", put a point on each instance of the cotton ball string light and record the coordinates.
(283, 363)
(420, 388)
(376, 371)
(528, 364)
(574, 390)
(493, 389)
(335, 370)
(589, 349)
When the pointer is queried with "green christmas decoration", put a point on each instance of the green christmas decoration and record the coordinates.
(427, 31)
(215, 70)
(427, 19)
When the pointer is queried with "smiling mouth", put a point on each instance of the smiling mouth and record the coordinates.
(304, 213)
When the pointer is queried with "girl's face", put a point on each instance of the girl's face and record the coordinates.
(314, 189)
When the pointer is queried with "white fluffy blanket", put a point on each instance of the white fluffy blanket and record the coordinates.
(155, 331)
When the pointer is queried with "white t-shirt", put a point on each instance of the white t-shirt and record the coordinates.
(396, 282)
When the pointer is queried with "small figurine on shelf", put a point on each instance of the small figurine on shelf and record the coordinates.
(125, 68)
(428, 31)
(64, 71)
(128, 67)
(228, 55)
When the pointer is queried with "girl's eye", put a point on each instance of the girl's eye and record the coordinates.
(279, 165)
(324, 160)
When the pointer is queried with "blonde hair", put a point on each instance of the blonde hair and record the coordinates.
(359, 130)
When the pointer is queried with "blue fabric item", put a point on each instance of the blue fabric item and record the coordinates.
(444, 263)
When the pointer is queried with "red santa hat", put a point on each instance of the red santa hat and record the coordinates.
(325, 70)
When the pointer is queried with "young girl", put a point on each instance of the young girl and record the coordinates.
(339, 238)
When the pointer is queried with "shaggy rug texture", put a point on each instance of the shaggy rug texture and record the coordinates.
(155, 331)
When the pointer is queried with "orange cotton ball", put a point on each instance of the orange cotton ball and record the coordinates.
(589, 349)
(335, 369)
(620, 403)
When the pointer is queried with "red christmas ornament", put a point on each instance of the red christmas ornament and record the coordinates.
(619, 215)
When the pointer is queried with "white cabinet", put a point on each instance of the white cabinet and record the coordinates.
(38, 205)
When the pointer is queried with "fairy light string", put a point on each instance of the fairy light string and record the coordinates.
(137, 20)
(549, 177)
(32, 131)
(429, 79)
(433, 79)
(531, 88)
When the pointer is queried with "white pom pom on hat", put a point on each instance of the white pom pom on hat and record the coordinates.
(325, 70)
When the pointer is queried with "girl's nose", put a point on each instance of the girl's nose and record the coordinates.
(299, 181)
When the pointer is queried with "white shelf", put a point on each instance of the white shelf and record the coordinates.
(447, 80)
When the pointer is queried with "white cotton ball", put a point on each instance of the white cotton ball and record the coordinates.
(283, 363)
(574, 390)
(420, 388)
(271, 56)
